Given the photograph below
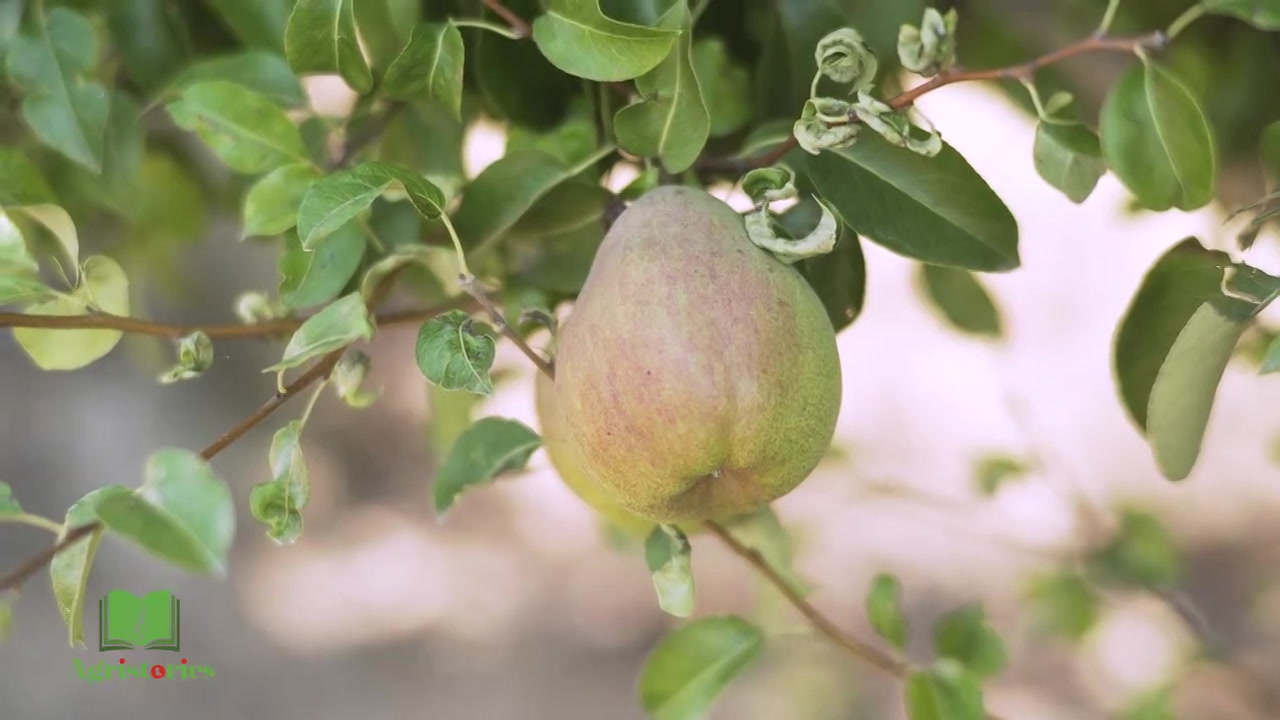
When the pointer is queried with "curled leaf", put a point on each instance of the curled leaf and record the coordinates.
(195, 355)
(669, 556)
(820, 241)
(769, 184)
(255, 307)
(349, 375)
(844, 57)
(930, 48)
(815, 131)
(894, 126)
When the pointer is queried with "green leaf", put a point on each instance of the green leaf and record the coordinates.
(937, 210)
(964, 636)
(689, 668)
(944, 692)
(20, 181)
(69, 570)
(1156, 140)
(506, 190)
(1064, 604)
(726, 87)
(59, 224)
(8, 503)
(118, 188)
(671, 121)
(991, 472)
(961, 299)
(182, 513)
(575, 138)
(484, 451)
(245, 129)
(456, 353)
(1173, 345)
(258, 70)
(1142, 554)
(334, 201)
(348, 377)
(429, 67)
(321, 38)
(439, 161)
(385, 27)
(53, 62)
(341, 323)
(451, 415)
(148, 38)
(195, 356)
(257, 23)
(16, 259)
(271, 205)
(538, 95)
(669, 556)
(580, 40)
(19, 289)
(311, 277)
(103, 286)
(884, 610)
(838, 277)
(429, 258)
(553, 245)
(1262, 14)
(278, 504)
(1069, 157)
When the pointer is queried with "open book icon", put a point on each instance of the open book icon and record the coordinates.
(127, 622)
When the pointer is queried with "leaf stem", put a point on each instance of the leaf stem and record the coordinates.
(471, 285)
(33, 521)
(1107, 18)
(486, 25)
(521, 28)
(853, 645)
(1179, 24)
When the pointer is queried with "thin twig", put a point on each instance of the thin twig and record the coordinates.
(15, 579)
(517, 23)
(266, 328)
(470, 284)
(854, 646)
(904, 100)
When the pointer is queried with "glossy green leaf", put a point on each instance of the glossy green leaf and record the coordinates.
(1173, 345)
(1262, 14)
(69, 570)
(340, 323)
(321, 38)
(337, 199)
(258, 70)
(1069, 157)
(272, 203)
(53, 61)
(103, 286)
(311, 277)
(1156, 140)
(278, 504)
(430, 67)
(484, 451)
(506, 190)
(385, 27)
(690, 667)
(182, 513)
(669, 556)
(884, 610)
(964, 636)
(1142, 554)
(258, 23)
(992, 472)
(580, 40)
(726, 87)
(944, 692)
(671, 121)
(961, 299)
(1064, 604)
(937, 210)
(245, 129)
(149, 39)
(456, 353)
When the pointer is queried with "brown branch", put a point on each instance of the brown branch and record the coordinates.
(904, 100)
(517, 23)
(266, 328)
(854, 646)
(472, 287)
(15, 579)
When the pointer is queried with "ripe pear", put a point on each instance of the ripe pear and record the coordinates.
(697, 375)
(567, 462)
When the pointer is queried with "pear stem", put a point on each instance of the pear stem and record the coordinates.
(824, 625)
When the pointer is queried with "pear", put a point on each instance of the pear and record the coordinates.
(697, 376)
(567, 462)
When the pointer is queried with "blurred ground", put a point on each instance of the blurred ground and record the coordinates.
(517, 607)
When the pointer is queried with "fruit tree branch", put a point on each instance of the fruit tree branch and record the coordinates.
(517, 23)
(1021, 71)
(854, 646)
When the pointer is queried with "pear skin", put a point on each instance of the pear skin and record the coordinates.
(697, 375)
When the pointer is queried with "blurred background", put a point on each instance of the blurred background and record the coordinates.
(521, 605)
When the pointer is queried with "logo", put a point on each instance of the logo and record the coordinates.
(130, 622)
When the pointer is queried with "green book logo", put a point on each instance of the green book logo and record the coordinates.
(129, 622)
